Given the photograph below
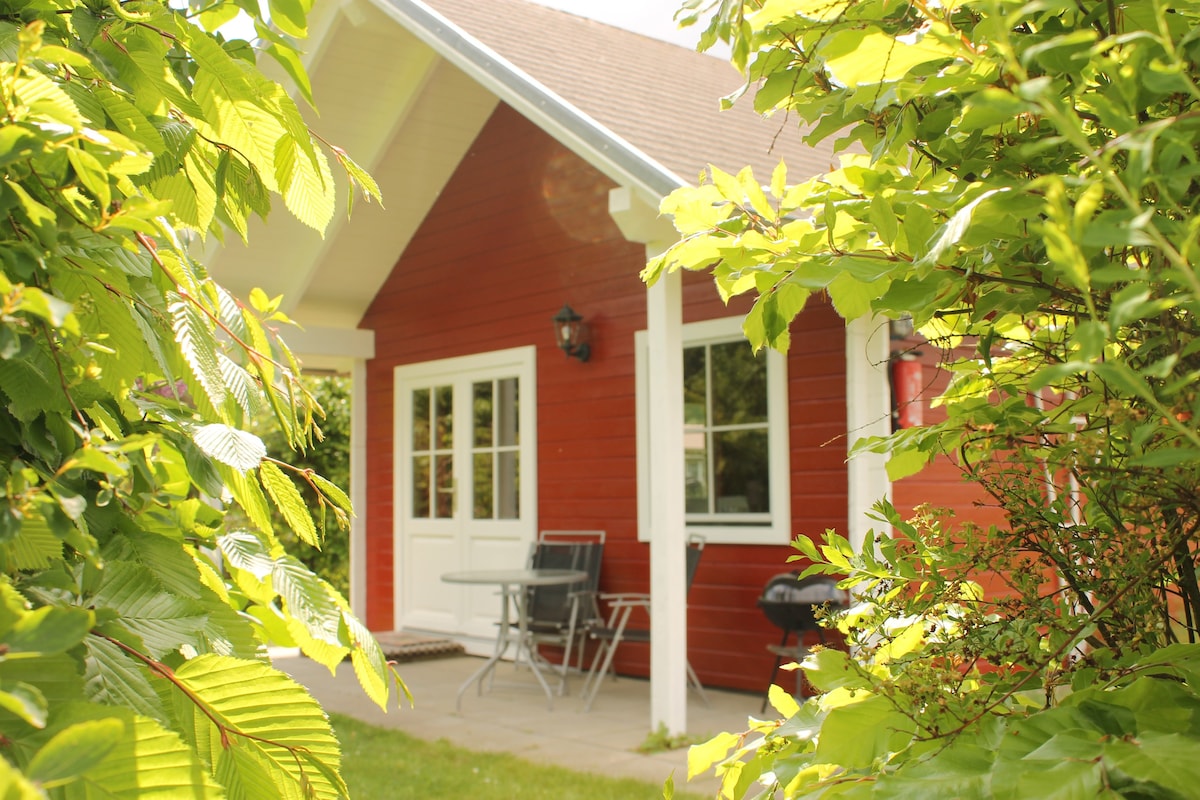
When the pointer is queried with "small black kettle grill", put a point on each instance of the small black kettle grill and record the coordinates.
(790, 604)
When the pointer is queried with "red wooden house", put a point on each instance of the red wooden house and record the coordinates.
(522, 153)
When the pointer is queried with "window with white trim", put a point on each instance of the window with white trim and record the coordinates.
(735, 437)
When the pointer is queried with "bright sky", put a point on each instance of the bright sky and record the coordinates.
(654, 18)
(650, 17)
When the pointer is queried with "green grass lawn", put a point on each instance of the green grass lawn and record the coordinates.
(381, 764)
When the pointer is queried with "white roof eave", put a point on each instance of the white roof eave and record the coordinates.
(595, 143)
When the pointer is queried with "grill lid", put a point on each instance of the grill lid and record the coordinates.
(789, 603)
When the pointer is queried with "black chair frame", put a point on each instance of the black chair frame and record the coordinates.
(559, 614)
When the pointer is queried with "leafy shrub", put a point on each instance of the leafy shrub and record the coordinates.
(133, 615)
(1021, 180)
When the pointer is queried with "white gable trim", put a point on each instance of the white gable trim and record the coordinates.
(595, 143)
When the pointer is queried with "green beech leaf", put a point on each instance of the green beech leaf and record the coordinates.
(56, 677)
(246, 551)
(334, 493)
(905, 463)
(249, 495)
(290, 60)
(304, 184)
(35, 548)
(308, 599)
(48, 630)
(25, 702)
(115, 678)
(290, 16)
(237, 449)
(129, 120)
(829, 669)
(74, 750)
(45, 100)
(289, 502)
(15, 785)
(39, 216)
(370, 664)
(161, 621)
(1158, 759)
(146, 760)
(956, 228)
(270, 720)
(199, 347)
(851, 297)
(359, 177)
(991, 107)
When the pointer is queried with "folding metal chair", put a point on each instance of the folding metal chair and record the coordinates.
(616, 629)
(559, 614)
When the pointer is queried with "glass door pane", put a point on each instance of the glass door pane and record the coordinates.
(433, 452)
(494, 449)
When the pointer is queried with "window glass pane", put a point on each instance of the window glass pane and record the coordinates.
(507, 405)
(741, 479)
(444, 423)
(695, 470)
(483, 414)
(483, 486)
(508, 484)
(444, 470)
(420, 419)
(420, 487)
(694, 400)
(739, 390)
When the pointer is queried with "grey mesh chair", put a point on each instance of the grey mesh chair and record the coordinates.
(616, 630)
(558, 615)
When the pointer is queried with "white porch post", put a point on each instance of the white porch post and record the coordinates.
(868, 413)
(639, 221)
(347, 350)
(358, 488)
(668, 539)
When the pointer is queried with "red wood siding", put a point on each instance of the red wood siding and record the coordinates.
(941, 484)
(521, 228)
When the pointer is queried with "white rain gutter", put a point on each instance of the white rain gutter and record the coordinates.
(596, 144)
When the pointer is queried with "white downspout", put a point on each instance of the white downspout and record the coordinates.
(358, 488)
(868, 413)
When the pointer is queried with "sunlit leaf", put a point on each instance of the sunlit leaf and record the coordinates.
(269, 720)
(237, 449)
(289, 502)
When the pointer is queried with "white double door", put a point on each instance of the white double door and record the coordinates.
(465, 483)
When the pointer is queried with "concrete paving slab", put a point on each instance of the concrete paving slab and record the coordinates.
(512, 716)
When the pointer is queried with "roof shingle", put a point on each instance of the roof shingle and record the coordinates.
(661, 98)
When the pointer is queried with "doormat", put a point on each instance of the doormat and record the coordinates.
(401, 647)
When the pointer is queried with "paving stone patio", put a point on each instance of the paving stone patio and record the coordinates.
(513, 717)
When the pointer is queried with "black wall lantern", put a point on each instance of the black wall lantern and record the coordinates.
(570, 333)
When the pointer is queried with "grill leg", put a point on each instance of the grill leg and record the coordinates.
(774, 672)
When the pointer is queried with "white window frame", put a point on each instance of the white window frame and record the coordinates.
(779, 528)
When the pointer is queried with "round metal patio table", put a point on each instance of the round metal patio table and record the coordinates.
(512, 583)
